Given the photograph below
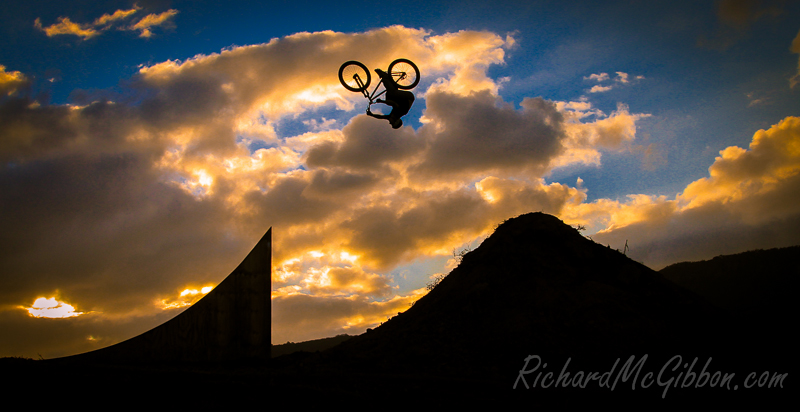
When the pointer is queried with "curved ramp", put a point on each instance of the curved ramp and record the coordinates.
(231, 322)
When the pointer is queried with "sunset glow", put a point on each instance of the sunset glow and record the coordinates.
(51, 308)
(186, 297)
(145, 148)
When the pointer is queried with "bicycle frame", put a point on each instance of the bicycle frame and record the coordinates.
(370, 96)
(373, 96)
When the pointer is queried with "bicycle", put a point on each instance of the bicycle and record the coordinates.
(355, 77)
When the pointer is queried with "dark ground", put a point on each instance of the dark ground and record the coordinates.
(535, 287)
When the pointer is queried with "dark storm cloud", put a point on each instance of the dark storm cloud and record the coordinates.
(104, 221)
(339, 182)
(479, 133)
(386, 236)
(287, 202)
(735, 17)
(367, 145)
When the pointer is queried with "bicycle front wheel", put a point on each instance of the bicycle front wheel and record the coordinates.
(354, 76)
(405, 73)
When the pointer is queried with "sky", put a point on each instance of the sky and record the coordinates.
(146, 146)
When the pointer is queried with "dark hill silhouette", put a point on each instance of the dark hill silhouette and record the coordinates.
(315, 345)
(535, 287)
(758, 286)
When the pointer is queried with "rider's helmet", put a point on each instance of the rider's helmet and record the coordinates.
(397, 124)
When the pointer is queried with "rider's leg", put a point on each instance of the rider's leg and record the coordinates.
(387, 102)
(388, 81)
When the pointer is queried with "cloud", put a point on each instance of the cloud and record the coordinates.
(748, 201)
(117, 15)
(11, 82)
(184, 298)
(621, 78)
(795, 48)
(755, 101)
(366, 145)
(584, 140)
(599, 77)
(742, 13)
(346, 280)
(67, 26)
(300, 317)
(599, 89)
(734, 19)
(107, 21)
(739, 174)
(153, 20)
(479, 133)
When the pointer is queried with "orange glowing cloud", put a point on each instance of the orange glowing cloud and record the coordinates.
(299, 316)
(67, 26)
(117, 15)
(736, 180)
(10, 82)
(737, 174)
(749, 199)
(105, 22)
(186, 297)
(152, 20)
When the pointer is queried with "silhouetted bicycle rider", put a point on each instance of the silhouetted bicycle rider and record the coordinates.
(399, 100)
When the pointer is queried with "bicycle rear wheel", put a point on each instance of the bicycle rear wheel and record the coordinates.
(354, 76)
(405, 73)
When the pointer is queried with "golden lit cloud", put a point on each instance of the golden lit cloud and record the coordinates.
(299, 317)
(153, 20)
(186, 297)
(105, 22)
(51, 308)
(345, 280)
(737, 174)
(749, 200)
(10, 82)
(117, 15)
(66, 26)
